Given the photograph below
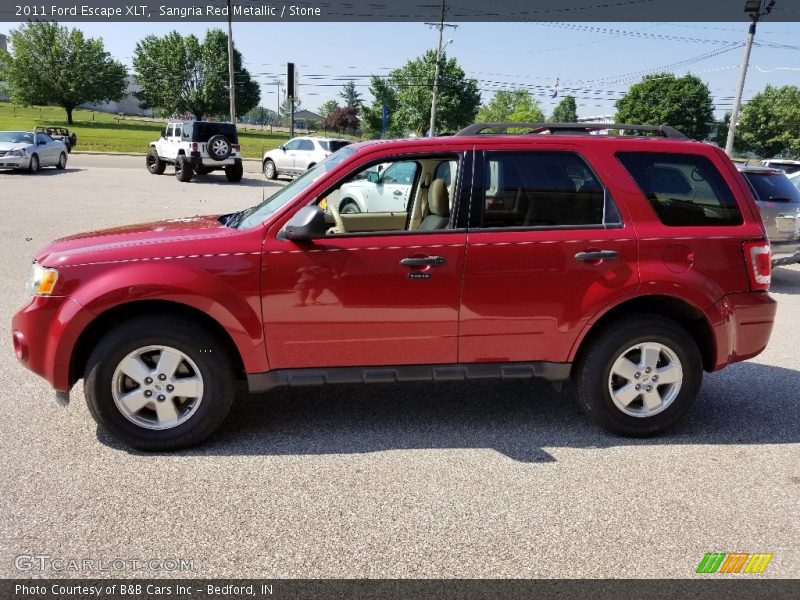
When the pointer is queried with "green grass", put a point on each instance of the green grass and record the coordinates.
(104, 132)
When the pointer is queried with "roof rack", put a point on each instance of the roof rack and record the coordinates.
(570, 128)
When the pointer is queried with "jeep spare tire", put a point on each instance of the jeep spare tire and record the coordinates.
(219, 147)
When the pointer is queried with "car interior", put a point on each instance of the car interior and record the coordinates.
(430, 205)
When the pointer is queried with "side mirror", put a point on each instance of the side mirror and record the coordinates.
(41, 142)
(373, 177)
(282, 147)
(163, 133)
(308, 223)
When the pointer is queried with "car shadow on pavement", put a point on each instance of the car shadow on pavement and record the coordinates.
(249, 180)
(747, 403)
(785, 281)
(43, 172)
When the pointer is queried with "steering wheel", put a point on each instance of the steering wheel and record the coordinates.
(337, 217)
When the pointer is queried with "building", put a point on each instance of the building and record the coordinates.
(129, 105)
(304, 118)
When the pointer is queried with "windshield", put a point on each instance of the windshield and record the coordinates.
(773, 187)
(252, 217)
(16, 137)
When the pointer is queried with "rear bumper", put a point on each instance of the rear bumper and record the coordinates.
(742, 324)
(197, 161)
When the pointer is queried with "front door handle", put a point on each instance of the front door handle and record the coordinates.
(398, 192)
(597, 255)
(423, 261)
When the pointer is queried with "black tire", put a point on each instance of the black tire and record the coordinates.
(33, 166)
(349, 207)
(219, 147)
(153, 162)
(69, 148)
(204, 349)
(594, 381)
(270, 172)
(183, 169)
(62, 162)
(234, 172)
(73, 140)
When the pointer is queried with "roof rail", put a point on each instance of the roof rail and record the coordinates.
(571, 128)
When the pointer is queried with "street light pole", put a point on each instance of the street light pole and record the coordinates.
(440, 26)
(231, 86)
(754, 7)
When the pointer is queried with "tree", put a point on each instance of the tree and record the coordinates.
(261, 116)
(372, 116)
(351, 96)
(344, 118)
(663, 99)
(180, 74)
(328, 108)
(54, 65)
(566, 111)
(515, 106)
(408, 91)
(769, 124)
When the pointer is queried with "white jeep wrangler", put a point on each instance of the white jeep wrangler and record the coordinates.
(196, 147)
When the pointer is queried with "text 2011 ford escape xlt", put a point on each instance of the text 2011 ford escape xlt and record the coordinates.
(629, 264)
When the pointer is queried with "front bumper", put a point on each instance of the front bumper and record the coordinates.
(44, 333)
(15, 162)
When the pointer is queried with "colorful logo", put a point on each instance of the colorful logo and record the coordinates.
(734, 562)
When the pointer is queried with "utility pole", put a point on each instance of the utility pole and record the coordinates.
(231, 85)
(278, 112)
(754, 7)
(440, 26)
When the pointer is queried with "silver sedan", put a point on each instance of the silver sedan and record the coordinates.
(31, 150)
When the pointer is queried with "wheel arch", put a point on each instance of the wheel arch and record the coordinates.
(97, 328)
(689, 316)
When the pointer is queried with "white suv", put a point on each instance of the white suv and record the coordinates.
(299, 154)
(197, 147)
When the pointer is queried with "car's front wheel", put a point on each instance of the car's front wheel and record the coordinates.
(154, 164)
(639, 377)
(159, 383)
(62, 161)
(270, 172)
(33, 166)
(349, 207)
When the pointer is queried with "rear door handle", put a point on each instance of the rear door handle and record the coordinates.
(423, 261)
(597, 255)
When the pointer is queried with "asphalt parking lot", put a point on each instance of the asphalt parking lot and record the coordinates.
(452, 480)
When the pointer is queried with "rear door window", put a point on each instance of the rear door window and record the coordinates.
(683, 189)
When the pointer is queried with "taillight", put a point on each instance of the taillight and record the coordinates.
(194, 146)
(235, 147)
(759, 264)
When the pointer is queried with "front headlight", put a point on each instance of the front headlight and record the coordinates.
(42, 280)
(19, 152)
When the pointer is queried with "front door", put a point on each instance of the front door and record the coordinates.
(376, 293)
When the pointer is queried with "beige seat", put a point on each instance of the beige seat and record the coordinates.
(438, 207)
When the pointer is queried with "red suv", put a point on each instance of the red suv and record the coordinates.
(628, 263)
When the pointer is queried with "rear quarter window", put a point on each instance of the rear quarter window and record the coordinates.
(683, 189)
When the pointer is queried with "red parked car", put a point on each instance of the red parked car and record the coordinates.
(630, 264)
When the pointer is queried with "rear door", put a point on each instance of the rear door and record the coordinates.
(547, 248)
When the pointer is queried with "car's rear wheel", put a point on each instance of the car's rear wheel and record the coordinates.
(234, 172)
(639, 377)
(269, 169)
(62, 161)
(349, 207)
(154, 164)
(183, 169)
(159, 383)
(33, 166)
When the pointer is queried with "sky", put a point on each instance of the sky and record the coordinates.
(595, 62)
